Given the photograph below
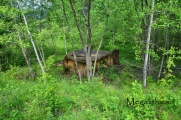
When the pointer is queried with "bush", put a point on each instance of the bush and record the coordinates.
(68, 100)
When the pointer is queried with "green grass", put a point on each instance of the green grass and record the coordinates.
(66, 99)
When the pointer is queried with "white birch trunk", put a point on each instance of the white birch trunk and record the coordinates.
(147, 46)
(32, 42)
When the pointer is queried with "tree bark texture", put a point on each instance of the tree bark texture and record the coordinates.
(86, 12)
(147, 46)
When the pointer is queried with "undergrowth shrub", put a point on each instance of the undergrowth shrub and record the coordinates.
(157, 102)
(68, 99)
(29, 100)
(18, 73)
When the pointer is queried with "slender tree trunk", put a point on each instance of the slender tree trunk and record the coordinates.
(26, 57)
(40, 44)
(65, 39)
(147, 46)
(24, 52)
(73, 49)
(40, 47)
(149, 64)
(86, 12)
(31, 39)
(88, 62)
(76, 22)
(163, 57)
(41, 53)
(103, 35)
(87, 49)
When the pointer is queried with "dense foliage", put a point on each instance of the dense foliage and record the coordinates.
(67, 99)
(28, 93)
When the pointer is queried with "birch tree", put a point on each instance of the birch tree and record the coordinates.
(145, 67)
(24, 50)
(25, 56)
(31, 39)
